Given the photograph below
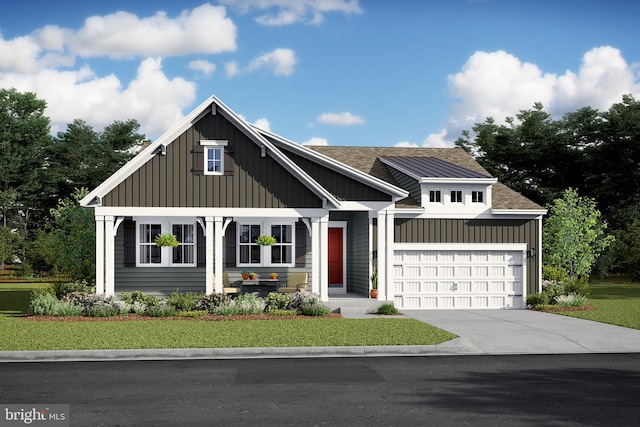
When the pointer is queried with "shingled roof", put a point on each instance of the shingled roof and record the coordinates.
(366, 159)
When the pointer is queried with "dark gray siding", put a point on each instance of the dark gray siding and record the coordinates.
(410, 184)
(340, 186)
(174, 181)
(473, 231)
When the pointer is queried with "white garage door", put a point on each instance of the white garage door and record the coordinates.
(459, 277)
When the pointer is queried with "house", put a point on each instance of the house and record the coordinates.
(434, 226)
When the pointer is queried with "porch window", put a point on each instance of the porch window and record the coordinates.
(151, 255)
(250, 254)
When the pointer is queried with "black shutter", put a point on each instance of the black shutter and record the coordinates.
(198, 159)
(129, 228)
(301, 244)
(202, 247)
(229, 161)
(230, 245)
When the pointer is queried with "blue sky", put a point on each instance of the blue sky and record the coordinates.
(337, 72)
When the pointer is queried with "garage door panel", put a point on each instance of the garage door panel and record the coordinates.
(452, 279)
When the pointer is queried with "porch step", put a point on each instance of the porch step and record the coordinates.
(350, 307)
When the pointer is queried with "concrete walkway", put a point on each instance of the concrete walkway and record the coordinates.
(488, 332)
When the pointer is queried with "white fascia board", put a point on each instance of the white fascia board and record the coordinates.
(331, 163)
(366, 206)
(461, 246)
(440, 181)
(519, 212)
(213, 212)
(145, 155)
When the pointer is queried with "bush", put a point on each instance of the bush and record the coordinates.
(249, 304)
(387, 309)
(553, 289)
(283, 313)
(141, 297)
(194, 313)
(211, 301)
(63, 288)
(226, 308)
(539, 298)
(161, 310)
(103, 307)
(45, 304)
(67, 308)
(571, 300)
(554, 274)
(578, 286)
(184, 301)
(308, 304)
(277, 301)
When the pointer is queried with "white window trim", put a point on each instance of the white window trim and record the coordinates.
(265, 254)
(166, 225)
(218, 144)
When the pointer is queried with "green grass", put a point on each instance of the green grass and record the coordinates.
(19, 333)
(617, 302)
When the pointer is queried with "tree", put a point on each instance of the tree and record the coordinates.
(24, 136)
(574, 235)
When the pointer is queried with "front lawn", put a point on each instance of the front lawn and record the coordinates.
(19, 333)
(616, 302)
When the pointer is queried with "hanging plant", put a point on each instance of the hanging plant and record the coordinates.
(266, 240)
(166, 239)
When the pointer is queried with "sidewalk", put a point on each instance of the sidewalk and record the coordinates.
(480, 332)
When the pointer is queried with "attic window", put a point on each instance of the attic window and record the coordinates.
(214, 156)
(456, 196)
(435, 196)
(477, 196)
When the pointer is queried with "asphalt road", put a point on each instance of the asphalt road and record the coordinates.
(563, 390)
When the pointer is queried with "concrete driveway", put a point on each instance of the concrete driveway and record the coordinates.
(527, 332)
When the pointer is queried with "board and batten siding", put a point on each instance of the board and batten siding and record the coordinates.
(408, 183)
(173, 180)
(448, 230)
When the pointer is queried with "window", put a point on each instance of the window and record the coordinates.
(151, 255)
(456, 196)
(214, 156)
(434, 196)
(213, 160)
(252, 254)
(477, 196)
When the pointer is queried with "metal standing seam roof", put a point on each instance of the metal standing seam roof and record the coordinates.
(366, 159)
(431, 167)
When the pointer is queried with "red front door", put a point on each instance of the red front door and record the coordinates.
(336, 257)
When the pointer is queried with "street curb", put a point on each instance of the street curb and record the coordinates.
(449, 348)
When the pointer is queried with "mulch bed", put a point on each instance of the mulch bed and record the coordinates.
(551, 309)
(136, 317)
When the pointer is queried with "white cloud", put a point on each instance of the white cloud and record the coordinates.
(340, 119)
(406, 144)
(205, 67)
(498, 85)
(281, 61)
(316, 141)
(293, 11)
(205, 29)
(263, 124)
(231, 68)
(151, 98)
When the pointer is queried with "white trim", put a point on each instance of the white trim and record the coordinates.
(462, 246)
(214, 142)
(99, 254)
(161, 212)
(265, 251)
(343, 288)
(166, 226)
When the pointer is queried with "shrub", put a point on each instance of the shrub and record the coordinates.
(161, 310)
(554, 274)
(63, 288)
(387, 309)
(578, 286)
(194, 313)
(308, 304)
(277, 301)
(571, 300)
(67, 308)
(539, 298)
(184, 301)
(552, 289)
(249, 304)
(44, 304)
(226, 308)
(139, 296)
(103, 307)
(211, 301)
(283, 313)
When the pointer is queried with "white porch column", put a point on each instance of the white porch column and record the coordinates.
(209, 253)
(218, 254)
(316, 248)
(382, 255)
(323, 252)
(99, 254)
(109, 259)
(389, 256)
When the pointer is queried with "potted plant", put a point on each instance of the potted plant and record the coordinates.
(253, 276)
(245, 274)
(374, 284)
(274, 276)
(166, 239)
(266, 240)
